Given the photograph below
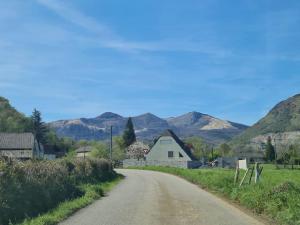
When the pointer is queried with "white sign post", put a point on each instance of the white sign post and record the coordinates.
(243, 165)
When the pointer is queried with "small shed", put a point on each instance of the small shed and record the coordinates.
(49, 152)
(84, 151)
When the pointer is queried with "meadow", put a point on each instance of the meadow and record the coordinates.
(276, 196)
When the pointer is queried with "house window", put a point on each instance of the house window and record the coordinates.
(180, 155)
(170, 154)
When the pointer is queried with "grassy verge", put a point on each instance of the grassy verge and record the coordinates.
(92, 192)
(277, 195)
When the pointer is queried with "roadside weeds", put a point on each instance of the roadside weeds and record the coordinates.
(92, 192)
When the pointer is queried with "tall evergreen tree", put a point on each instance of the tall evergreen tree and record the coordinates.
(270, 150)
(39, 128)
(129, 134)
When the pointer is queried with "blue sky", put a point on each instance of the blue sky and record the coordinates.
(232, 59)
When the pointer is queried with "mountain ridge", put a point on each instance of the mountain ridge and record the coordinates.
(149, 126)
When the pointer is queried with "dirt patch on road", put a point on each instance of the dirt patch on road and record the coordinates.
(174, 211)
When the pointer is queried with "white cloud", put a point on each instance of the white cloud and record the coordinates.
(108, 38)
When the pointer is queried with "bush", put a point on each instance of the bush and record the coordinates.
(33, 187)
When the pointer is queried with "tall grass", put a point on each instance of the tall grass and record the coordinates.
(30, 188)
(277, 195)
(67, 208)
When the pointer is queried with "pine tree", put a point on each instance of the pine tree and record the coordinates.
(129, 134)
(39, 128)
(270, 151)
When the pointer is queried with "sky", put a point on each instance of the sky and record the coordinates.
(69, 59)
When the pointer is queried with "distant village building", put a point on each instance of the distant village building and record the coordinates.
(137, 150)
(49, 153)
(84, 151)
(168, 150)
(20, 146)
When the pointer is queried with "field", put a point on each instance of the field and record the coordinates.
(277, 195)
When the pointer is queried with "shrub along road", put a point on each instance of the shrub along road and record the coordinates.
(148, 197)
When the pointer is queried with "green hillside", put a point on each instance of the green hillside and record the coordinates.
(284, 117)
(11, 120)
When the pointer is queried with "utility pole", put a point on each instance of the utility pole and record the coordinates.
(110, 146)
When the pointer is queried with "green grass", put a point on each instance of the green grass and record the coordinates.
(92, 192)
(277, 195)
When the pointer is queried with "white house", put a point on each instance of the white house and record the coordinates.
(168, 150)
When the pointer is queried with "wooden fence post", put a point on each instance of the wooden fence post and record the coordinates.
(252, 170)
(244, 177)
(237, 171)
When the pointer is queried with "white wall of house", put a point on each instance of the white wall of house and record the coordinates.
(167, 149)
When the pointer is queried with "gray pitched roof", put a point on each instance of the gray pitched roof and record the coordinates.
(16, 141)
(185, 148)
(84, 149)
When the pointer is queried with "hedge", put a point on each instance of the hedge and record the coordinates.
(30, 188)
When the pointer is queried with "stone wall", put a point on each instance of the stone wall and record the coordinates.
(227, 162)
(179, 164)
(18, 154)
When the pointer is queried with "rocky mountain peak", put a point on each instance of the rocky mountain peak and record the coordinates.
(109, 115)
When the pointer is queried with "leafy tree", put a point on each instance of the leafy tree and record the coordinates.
(293, 154)
(59, 144)
(100, 150)
(136, 151)
(118, 151)
(39, 128)
(270, 151)
(129, 134)
(198, 146)
(225, 150)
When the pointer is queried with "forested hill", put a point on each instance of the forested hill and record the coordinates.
(283, 118)
(11, 120)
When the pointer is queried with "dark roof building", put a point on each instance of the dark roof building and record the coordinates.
(169, 150)
(20, 146)
(185, 148)
(84, 149)
(16, 141)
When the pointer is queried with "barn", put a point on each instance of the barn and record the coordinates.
(20, 146)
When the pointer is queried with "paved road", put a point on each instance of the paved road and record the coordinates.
(153, 198)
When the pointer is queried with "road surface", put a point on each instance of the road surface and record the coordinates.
(154, 198)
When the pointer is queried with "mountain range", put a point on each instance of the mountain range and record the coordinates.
(282, 124)
(148, 126)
